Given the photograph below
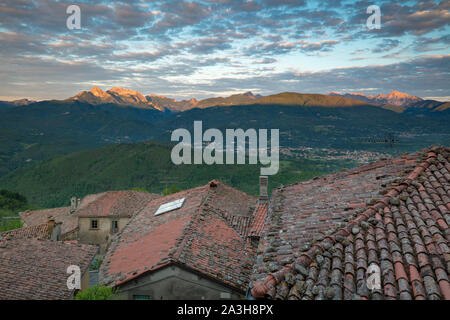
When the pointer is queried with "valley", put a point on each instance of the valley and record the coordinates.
(52, 150)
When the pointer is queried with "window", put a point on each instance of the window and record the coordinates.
(94, 224)
(140, 297)
(169, 206)
(115, 226)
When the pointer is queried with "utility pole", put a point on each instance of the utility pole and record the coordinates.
(167, 180)
(4, 219)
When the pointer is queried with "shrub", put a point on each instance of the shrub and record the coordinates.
(96, 263)
(139, 189)
(96, 292)
(170, 190)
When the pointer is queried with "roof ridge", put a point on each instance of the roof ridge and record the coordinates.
(224, 214)
(228, 223)
(103, 195)
(346, 172)
(267, 285)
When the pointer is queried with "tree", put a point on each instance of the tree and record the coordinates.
(96, 292)
(170, 190)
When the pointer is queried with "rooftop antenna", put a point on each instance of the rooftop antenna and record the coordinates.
(168, 180)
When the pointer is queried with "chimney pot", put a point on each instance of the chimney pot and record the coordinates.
(73, 204)
(263, 186)
(213, 184)
(51, 224)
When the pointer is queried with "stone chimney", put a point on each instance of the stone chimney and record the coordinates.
(56, 234)
(263, 186)
(73, 204)
(54, 229)
(50, 224)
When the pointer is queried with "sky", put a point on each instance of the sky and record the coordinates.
(206, 48)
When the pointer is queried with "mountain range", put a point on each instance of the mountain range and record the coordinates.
(394, 101)
(394, 98)
(36, 137)
(15, 103)
(34, 131)
(125, 97)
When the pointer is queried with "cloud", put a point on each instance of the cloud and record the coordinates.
(418, 23)
(160, 44)
(317, 46)
(386, 45)
(424, 76)
(204, 45)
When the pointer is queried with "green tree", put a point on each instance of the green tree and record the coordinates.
(170, 190)
(140, 189)
(96, 292)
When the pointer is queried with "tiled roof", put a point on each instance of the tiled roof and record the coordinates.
(61, 215)
(404, 232)
(33, 269)
(259, 216)
(115, 203)
(40, 231)
(201, 235)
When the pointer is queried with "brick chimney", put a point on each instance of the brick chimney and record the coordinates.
(263, 186)
(213, 184)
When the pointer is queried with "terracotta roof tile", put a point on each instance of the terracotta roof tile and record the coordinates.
(402, 233)
(33, 269)
(259, 217)
(207, 234)
(117, 203)
(41, 231)
(61, 215)
(114, 203)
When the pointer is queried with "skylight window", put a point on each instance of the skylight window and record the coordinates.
(177, 204)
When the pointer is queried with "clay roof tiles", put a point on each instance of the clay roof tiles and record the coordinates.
(259, 217)
(116, 203)
(60, 215)
(405, 233)
(34, 269)
(40, 231)
(207, 234)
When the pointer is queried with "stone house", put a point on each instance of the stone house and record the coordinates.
(102, 216)
(195, 244)
(93, 219)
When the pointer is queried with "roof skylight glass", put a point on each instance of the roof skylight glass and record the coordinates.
(169, 206)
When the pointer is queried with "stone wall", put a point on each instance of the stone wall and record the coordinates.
(100, 236)
(173, 283)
